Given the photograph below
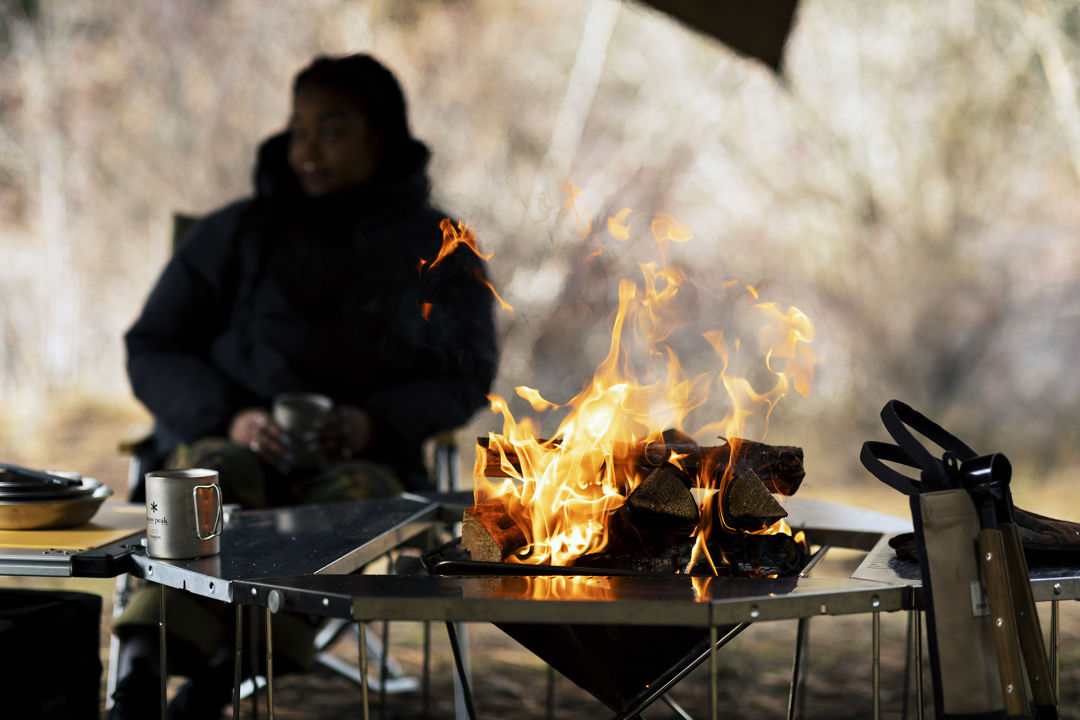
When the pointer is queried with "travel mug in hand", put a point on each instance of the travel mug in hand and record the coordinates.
(301, 415)
(183, 514)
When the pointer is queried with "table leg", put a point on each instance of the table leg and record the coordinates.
(253, 659)
(909, 639)
(1055, 640)
(714, 670)
(362, 642)
(466, 691)
(384, 668)
(798, 664)
(877, 664)
(425, 675)
(918, 665)
(161, 650)
(238, 658)
(269, 668)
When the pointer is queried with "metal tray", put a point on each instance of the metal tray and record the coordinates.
(58, 513)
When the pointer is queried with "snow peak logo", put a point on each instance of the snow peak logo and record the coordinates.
(153, 520)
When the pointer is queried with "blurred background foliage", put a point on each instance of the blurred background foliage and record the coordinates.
(909, 182)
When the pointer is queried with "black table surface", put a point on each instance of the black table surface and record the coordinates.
(299, 540)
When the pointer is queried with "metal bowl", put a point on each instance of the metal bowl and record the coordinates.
(51, 513)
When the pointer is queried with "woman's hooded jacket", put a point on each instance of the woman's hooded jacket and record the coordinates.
(284, 292)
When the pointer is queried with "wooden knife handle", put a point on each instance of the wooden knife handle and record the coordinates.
(1027, 619)
(995, 574)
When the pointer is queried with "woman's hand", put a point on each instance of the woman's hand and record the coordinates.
(254, 428)
(348, 433)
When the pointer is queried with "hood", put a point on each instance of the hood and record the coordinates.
(402, 179)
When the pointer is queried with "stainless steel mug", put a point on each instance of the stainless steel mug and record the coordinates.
(299, 414)
(183, 513)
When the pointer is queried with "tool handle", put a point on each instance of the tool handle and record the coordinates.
(992, 562)
(1027, 619)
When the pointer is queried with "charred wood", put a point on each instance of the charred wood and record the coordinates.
(780, 467)
(747, 504)
(663, 502)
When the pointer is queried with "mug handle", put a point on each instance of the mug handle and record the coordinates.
(217, 520)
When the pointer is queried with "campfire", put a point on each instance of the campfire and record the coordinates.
(622, 484)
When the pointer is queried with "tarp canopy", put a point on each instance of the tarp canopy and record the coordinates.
(758, 29)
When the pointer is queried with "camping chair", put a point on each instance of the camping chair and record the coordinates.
(145, 457)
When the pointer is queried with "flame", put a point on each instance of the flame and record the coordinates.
(618, 226)
(557, 587)
(562, 491)
(582, 218)
(454, 237)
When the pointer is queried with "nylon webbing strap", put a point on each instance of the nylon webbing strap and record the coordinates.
(900, 419)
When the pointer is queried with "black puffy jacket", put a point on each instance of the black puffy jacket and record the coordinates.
(282, 292)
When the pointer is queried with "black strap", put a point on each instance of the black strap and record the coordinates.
(899, 416)
(936, 473)
(872, 455)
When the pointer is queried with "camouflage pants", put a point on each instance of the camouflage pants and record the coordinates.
(199, 627)
(249, 482)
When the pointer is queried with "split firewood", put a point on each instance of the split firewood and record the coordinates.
(664, 502)
(747, 504)
(780, 467)
(488, 532)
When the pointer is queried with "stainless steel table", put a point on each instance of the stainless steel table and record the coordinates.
(708, 603)
(302, 540)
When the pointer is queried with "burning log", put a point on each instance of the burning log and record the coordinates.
(663, 501)
(489, 533)
(780, 467)
(747, 503)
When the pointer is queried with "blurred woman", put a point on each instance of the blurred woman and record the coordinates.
(311, 285)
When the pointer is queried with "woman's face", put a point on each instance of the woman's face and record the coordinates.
(331, 147)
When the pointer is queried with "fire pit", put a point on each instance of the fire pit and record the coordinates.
(621, 488)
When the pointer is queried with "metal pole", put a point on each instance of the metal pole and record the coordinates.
(802, 633)
(269, 668)
(161, 654)
(384, 670)
(238, 658)
(1055, 640)
(907, 664)
(795, 691)
(363, 668)
(877, 664)
(918, 665)
(676, 708)
(690, 666)
(425, 674)
(461, 633)
(253, 659)
(466, 692)
(714, 669)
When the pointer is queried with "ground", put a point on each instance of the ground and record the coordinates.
(754, 669)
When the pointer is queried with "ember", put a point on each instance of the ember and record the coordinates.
(620, 483)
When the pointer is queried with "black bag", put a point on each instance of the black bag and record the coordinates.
(50, 666)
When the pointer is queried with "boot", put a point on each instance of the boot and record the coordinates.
(206, 694)
(138, 691)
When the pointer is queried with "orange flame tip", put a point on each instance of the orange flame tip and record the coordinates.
(617, 225)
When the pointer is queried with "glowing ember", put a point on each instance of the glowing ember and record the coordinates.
(562, 491)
